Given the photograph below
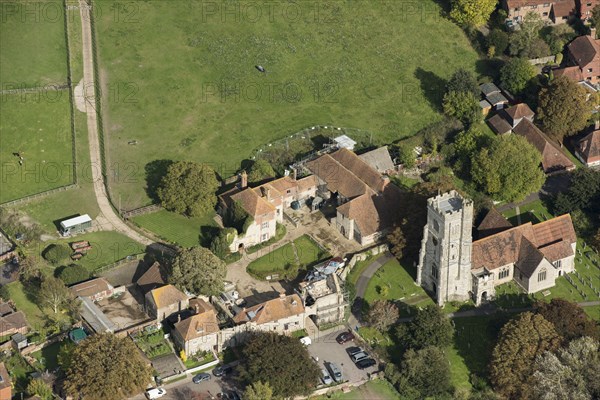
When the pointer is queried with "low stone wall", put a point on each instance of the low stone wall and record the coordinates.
(373, 251)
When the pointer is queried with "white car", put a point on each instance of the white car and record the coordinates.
(305, 341)
(155, 393)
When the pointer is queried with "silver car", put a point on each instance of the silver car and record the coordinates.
(325, 377)
(336, 372)
(359, 356)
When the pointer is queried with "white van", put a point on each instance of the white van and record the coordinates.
(155, 393)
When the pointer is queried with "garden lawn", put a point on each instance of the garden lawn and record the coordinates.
(359, 267)
(533, 212)
(48, 356)
(38, 127)
(281, 259)
(178, 229)
(32, 39)
(19, 371)
(193, 361)
(153, 344)
(379, 389)
(190, 90)
(401, 287)
(24, 301)
(107, 248)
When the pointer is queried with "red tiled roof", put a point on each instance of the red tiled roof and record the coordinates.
(573, 73)
(553, 159)
(523, 3)
(493, 223)
(152, 277)
(337, 177)
(91, 288)
(589, 147)
(584, 50)
(360, 168)
(272, 310)
(519, 111)
(564, 8)
(198, 325)
(499, 125)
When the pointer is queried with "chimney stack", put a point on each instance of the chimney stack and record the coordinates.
(597, 125)
(243, 180)
(197, 308)
(282, 295)
(294, 174)
(593, 33)
(178, 317)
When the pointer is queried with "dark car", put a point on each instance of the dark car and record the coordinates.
(201, 378)
(353, 350)
(234, 395)
(222, 370)
(344, 337)
(365, 363)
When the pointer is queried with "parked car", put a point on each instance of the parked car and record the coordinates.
(365, 363)
(201, 377)
(222, 370)
(359, 356)
(336, 372)
(155, 393)
(306, 341)
(325, 377)
(344, 337)
(354, 350)
(233, 395)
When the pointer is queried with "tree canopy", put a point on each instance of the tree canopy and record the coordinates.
(516, 74)
(382, 314)
(463, 106)
(527, 42)
(509, 169)
(563, 108)
(107, 367)
(463, 80)
(258, 391)
(423, 374)
(430, 327)
(596, 18)
(57, 253)
(260, 170)
(521, 341)
(473, 13)
(221, 242)
(199, 271)
(569, 319)
(280, 361)
(397, 241)
(37, 387)
(73, 273)
(55, 295)
(499, 40)
(188, 188)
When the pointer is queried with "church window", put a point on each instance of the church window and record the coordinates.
(434, 240)
(434, 271)
(542, 275)
(558, 263)
(436, 225)
(503, 274)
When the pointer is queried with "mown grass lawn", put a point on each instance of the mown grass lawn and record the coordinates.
(178, 229)
(190, 90)
(379, 389)
(38, 127)
(533, 212)
(48, 356)
(283, 258)
(359, 267)
(24, 301)
(32, 38)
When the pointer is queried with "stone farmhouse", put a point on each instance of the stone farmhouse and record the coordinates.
(583, 61)
(366, 201)
(200, 332)
(265, 204)
(588, 148)
(550, 11)
(454, 267)
(518, 119)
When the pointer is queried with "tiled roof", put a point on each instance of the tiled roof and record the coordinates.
(167, 295)
(12, 321)
(364, 213)
(573, 73)
(360, 168)
(589, 146)
(564, 8)
(551, 239)
(5, 382)
(200, 306)
(338, 178)
(499, 125)
(523, 3)
(198, 325)
(489, 88)
(519, 111)
(306, 183)
(153, 277)
(379, 159)
(253, 203)
(5, 308)
(529, 258)
(272, 310)
(493, 223)
(91, 288)
(584, 49)
(553, 159)
(496, 98)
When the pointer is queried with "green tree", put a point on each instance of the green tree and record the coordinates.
(65, 354)
(508, 169)
(107, 367)
(199, 271)
(516, 74)
(37, 387)
(258, 391)
(397, 241)
(463, 81)
(260, 171)
(583, 194)
(29, 269)
(280, 361)
(424, 373)
(563, 108)
(569, 319)
(571, 373)
(55, 295)
(499, 40)
(463, 106)
(527, 42)
(188, 188)
(57, 253)
(382, 314)
(472, 13)
(557, 36)
(73, 273)
(237, 217)
(221, 242)
(406, 156)
(596, 18)
(466, 145)
(521, 341)
(430, 327)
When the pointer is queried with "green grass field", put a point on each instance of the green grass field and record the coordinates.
(178, 229)
(38, 126)
(24, 301)
(379, 389)
(190, 90)
(32, 38)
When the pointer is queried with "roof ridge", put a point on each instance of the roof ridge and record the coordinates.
(350, 171)
(504, 231)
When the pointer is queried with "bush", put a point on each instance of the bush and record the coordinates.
(71, 274)
(56, 253)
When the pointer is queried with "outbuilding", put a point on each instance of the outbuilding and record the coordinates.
(75, 225)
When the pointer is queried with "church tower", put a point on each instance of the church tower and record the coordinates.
(445, 258)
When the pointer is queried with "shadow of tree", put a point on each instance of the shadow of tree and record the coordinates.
(432, 86)
(155, 170)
